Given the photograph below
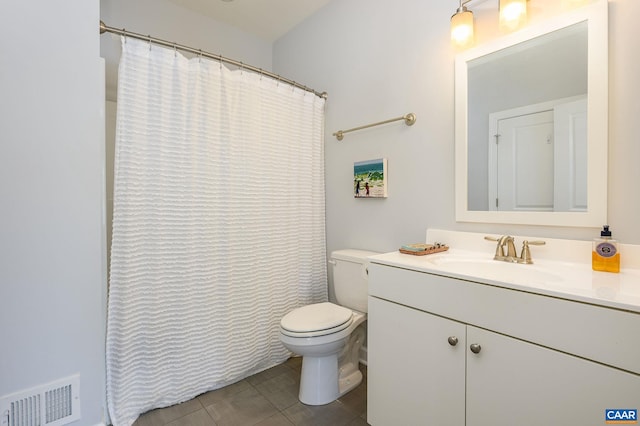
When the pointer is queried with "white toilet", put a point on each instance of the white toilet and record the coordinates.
(329, 336)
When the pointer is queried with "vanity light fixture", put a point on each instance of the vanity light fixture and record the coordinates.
(462, 26)
(513, 13)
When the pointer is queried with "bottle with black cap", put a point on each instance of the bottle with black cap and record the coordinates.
(605, 256)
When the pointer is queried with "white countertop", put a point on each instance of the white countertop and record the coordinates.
(566, 280)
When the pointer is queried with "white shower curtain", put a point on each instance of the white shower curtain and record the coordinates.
(218, 225)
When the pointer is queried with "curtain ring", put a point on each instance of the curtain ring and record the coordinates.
(241, 68)
(200, 55)
(220, 59)
(149, 41)
(261, 73)
(175, 50)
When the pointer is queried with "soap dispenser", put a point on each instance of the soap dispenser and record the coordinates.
(605, 255)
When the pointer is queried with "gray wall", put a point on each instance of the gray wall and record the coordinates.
(52, 256)
(378, 62)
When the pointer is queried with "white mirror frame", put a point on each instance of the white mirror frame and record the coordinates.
(596, 16)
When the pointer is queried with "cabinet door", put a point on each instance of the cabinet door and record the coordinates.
(414, 375)
(513, 382)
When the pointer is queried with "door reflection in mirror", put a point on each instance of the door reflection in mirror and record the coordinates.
(538, 157)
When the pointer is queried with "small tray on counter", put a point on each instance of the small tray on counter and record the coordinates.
(423, 249)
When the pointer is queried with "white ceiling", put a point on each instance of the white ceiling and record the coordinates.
(268, 19)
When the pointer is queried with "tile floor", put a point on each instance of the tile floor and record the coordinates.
(269, 398)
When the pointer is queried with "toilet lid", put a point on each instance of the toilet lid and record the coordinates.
(316, 317)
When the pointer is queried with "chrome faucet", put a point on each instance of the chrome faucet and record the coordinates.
(511, 256)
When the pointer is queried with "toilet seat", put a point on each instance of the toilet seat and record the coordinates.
(318, 319)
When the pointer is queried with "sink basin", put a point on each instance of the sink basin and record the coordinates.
(555, 278)
(496, 270)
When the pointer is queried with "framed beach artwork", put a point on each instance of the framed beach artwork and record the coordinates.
(370, 178)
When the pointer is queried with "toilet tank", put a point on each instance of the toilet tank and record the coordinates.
(350, 278)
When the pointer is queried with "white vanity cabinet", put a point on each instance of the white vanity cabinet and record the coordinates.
(540, 360)
(414, 376)
(515, 382)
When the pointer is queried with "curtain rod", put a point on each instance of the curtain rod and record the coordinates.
(105, 28)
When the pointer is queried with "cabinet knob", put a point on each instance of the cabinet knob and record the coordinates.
(475, 348)
(453, 340)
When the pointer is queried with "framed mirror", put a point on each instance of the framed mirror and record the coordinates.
(531, 124)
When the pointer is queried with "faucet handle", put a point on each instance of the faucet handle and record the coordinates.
(490, 238)
(525, 256)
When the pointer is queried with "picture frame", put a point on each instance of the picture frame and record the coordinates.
(370, 178)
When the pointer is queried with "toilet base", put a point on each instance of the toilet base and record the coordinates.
(319, 380)
(325, 379)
